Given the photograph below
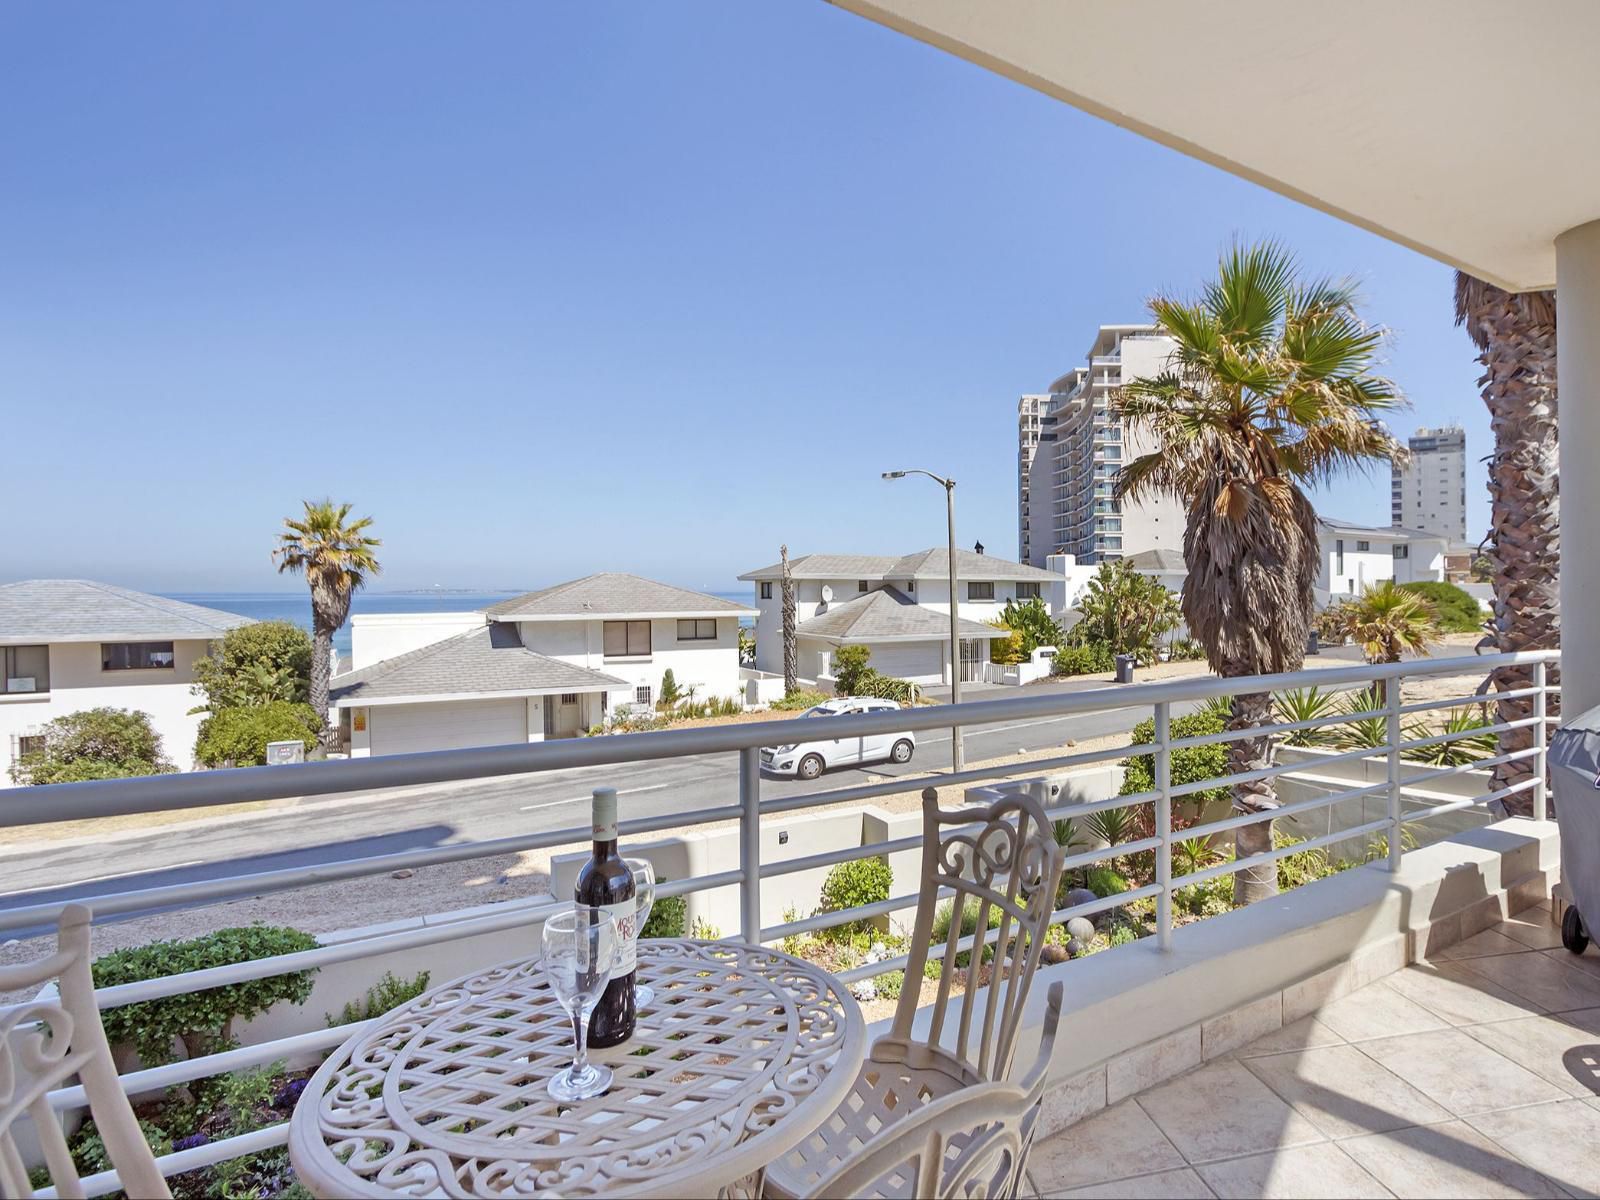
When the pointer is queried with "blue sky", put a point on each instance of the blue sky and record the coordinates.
(558, 288)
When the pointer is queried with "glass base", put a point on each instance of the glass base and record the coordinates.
(643, 994)
(574, 1083)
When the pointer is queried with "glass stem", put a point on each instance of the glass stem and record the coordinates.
(580, 1061)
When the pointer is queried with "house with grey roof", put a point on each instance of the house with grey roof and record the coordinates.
(546, 664)
(898, 607)
(72, 644)
(1353, 557)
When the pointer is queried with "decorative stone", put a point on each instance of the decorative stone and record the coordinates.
(402, 873)
(1053, 953)
(1076, 947)
(1081, 928)
(1079, 896)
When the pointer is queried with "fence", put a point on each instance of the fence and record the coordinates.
(1164, 701)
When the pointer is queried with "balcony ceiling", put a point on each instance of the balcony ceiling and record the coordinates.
(1466, 129)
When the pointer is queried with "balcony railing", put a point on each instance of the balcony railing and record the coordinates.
(1164, 700)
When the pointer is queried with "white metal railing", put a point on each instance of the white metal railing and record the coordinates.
(1165, 701)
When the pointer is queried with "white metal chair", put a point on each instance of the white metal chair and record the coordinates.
(43, 1044)
(1000, 859)
(972, 1144)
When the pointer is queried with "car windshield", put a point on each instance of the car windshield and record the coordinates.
(821, 710)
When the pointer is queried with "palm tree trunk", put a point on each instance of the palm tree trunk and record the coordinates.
(321, 670)
(1516, 337)
(791, 653)
(1257, 796)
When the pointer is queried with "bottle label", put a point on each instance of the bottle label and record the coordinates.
(605, 814)
(626, 914)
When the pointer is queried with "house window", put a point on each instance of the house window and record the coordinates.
(24, 744)
(861, 585)
(980, 590)
(766, 591)
(136, 656)
(641, 694)
(1402, 551)
(627, 639)
(27, 669)
(569, 697)
(1028, 590)
(1363, 547)
(1338, 556)
(701, 629)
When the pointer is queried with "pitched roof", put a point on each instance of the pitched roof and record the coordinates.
(613, 594)
(1159, 559)
(887, 613)
(80, 610)
(1396, 531)
(925, 564)
(487, 660)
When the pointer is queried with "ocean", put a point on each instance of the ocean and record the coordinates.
(296, 606)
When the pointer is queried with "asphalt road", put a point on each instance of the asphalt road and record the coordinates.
(317, 830)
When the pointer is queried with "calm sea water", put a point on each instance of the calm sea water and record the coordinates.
(296, 606)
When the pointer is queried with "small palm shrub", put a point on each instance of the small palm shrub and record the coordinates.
(1306, 704)
(852, 884)
(1363, 732)
(1465, 748)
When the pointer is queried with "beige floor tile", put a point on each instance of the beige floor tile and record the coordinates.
(1542, 1045)
(1445, 1161)
(1113, 1144)
(1344, 1093)
(1464, 1075)
(1490, 941)
(1376, 1011)
(1531, 927)
(1309, 1171)
(1222, 1110)
(1548, 982)
(1165, 1185)
(1304, 1034)
(1460, 996)
(1588, 961)
(1561, 1141)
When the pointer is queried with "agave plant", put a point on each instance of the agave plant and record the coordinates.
(1458, 751)
(1369, 732)
(1192, 854)
(1067, 833)
(1307, 704)
(1114, 826)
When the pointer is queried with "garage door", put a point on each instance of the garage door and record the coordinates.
(920, 661)
(408, 728)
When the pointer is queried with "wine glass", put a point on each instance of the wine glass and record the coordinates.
(644, 892)
(580, 950)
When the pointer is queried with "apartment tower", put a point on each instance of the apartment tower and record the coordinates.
(1070, 447)
(1430, 492)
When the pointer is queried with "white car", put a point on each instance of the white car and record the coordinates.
(810, 759)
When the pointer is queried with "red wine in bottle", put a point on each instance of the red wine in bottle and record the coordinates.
(606, 884)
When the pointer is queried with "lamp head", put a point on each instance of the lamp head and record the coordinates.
(894, 474)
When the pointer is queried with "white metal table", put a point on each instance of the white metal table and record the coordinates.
(743, 1052)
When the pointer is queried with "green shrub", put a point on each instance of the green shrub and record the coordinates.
(202, 1021)
(1103, 882)
(884, 687)
(1207, 898)
(1457, 611)
(849, 665)
(1121, 934)
(256, 664)
(890, 984)
(1088, 659)
(944, 915)
(384, 996)
(668, 917)
(238, 737)
(1303, 866)
(97, 743)
(1189, 764)
(799, 699)
(850, 885)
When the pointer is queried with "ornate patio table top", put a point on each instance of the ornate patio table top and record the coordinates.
(742, 1053)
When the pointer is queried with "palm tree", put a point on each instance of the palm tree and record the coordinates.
(1386, 621)
(1271, 387)
(791, 657)
(1516, 338)
(335, 555)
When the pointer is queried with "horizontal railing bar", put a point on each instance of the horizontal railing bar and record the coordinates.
(1439, 739)
(257, 1140)
(1089, 807)
(1222, 825)
(1270, 730)
(698, 883)
(1476, 764)
(1272, 772)
(862, 912)
(1115, 900)
(831, 857)
(1252, 860)
(1469, 701)
(1472, 801)
(1089, 857)
(121, 797)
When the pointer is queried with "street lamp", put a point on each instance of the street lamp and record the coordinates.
(957, 753)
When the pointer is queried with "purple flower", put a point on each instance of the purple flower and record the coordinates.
(289, 1093)
(190, 1142)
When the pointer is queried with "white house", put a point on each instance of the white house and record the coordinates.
(899, 608)
(71, 644)
(1354, 557)
(547, 664)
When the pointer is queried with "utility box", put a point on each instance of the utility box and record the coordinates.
(282, 753)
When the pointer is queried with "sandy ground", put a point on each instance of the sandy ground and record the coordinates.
(442, 888)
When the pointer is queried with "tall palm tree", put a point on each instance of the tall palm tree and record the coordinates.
(1386, 621)
(335, 555)
(791, 653)
(1271, 387)
(1516, 338)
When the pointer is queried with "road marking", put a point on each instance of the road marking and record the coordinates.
(654, 787)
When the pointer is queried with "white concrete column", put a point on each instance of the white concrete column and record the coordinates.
(1578, 358)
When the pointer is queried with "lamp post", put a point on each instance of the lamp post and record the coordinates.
(957, 753)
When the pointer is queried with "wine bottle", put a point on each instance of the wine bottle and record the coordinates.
(606, 884)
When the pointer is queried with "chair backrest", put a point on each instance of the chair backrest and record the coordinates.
(972, 1144)
(43, 1044)
(1002, 863)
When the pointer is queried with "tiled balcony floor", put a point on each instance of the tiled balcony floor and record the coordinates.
(1475, 1074)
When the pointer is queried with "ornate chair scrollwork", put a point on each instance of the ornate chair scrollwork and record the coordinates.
(43, 1045)
(998, 866)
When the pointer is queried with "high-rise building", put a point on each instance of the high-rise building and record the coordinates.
(1070, 448)
(1430, 492)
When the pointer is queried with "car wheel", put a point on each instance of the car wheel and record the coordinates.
(901, 752)
(1573, 935)
(810, 766)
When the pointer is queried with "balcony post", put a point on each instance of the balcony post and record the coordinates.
(750, 844)
(1163, 772)
(1391, 704)
(1578, 349)
(1541, 738)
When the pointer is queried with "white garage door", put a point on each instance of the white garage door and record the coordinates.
(919, 661)
(409, 728)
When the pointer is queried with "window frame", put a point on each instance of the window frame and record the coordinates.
(986, 591)
(629, 645)
(1028, 589)
(861, 586)
(8, 659)
(696, 625)
(766, 589)
(145, 649)
(642, 694)
(1363, 546)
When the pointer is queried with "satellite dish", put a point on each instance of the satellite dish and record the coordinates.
(827, 593)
